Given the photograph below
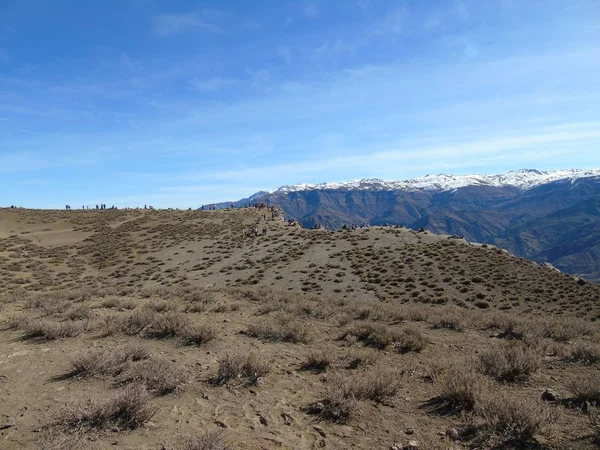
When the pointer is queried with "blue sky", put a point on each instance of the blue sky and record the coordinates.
(183, 103)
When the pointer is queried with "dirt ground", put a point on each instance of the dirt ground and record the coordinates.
(375, 338)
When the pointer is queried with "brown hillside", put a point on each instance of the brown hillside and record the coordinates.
(144, 329)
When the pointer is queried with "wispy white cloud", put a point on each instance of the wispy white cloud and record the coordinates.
(213, 84)
(285, 54)
(168, 24)
(310, 10)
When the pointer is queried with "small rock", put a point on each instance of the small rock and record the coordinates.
(412, 445)
(287, 419)
(315, 408)
(410, 431)
(550, 395)
(114, 443)
(263, 420)
(396, 447)
(452, 433)
(319, 430)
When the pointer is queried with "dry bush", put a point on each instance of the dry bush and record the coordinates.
(566, 329)
(43, 330)
(212, 440)
(362, 358)
(160, 307)
(94, 363)
(587, 353)
(316, 362)
(246, 368)
(199, 335)
(372, 335)
(450, 320)
(410, 340)
(585, 389)
(509, 327)
(17, 322)
(338, 404)
(107, 362)
(111, 325)
(458, 387)
(81, 312)
(111, 303)
(138, 321)
(511, 362)
(61, 440)
(378, 385)
(511, 421)
(283, 329)
(129, 409)
(169, 326)
(159, 375)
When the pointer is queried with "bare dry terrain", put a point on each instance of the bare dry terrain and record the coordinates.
(175, 330)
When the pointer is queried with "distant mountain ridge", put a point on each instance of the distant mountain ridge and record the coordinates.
(521, 179)
(546, 216)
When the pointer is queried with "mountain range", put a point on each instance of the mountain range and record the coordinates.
(547, 216)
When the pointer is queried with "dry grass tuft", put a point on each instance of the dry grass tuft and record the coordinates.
(159, 376)
(316, 362)
(410, 340)
(372, 335)
(585, 389)
(510, 421)
(212, 440)
(378, 385)
(128, 409)
(45, 330)
(107, 362)
(199, 335)
(587, 353)
(512, 362)
(458, 388)
(282, 329)
(246, 368)
(362, 358)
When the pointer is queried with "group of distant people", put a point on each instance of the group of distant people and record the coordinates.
(99, 206)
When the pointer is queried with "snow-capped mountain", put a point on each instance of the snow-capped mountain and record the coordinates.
(521, 179)
(548, 216)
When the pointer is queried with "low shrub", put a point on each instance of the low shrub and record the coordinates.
(130, 408)
(512, 362)
(410, 340)
(159, 376)
(587, 353)
(585, 389)
(212, 440)
(458, 387)
(509, 421)
(316, 362)
(246, 368)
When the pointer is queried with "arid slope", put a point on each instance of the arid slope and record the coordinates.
(297, 339)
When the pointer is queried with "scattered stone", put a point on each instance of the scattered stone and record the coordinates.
(452, 433)
(410, 431)
(263, 420)
(550, 395)
(396, 447)
(319, 430)
(315, 408)
(287, 419)
(412, 445)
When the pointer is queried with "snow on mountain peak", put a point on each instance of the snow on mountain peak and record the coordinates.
(520, 179)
